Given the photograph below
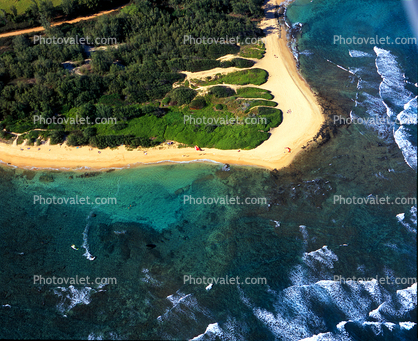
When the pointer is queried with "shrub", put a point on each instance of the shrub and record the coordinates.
(119, 126)
(242, 77)
(241, 63)
(113, 99)
(57, 137)
(166, 100)
(89, 132)
(76, 138)
(250, 92)
(198, 103)
(221, 91)
(237, 62)
(183, 95)
(219, 107)
(112, 141)
(20, 139)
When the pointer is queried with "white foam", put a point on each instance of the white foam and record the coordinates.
(304, 232)
(149, 279)
(405, 301)
(323, 256)
(322, 337)
(393, 83)
(357, 54)
(72, 296)
(409, 151)
(177, 298)
(292, 316)
(407, 325)
(85, 245)
(409, 114)
(211, 331)
(392, 89)
(409, 223)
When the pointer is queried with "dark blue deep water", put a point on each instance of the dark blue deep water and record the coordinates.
(299, 241)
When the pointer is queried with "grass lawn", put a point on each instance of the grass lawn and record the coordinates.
(249, 92)
(21, 5)
(177, 127)
(252, 51)
(251, 76)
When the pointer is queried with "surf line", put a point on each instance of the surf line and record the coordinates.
(85, 245)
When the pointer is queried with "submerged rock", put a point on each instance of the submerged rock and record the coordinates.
(46, 178)
(226, 167)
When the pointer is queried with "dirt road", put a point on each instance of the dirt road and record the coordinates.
(40, 29)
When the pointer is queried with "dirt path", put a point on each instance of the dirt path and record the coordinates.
(40, 29)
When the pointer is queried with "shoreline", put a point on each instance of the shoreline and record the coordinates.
(290, 91)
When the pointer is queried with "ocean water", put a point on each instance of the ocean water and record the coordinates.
(379, 77)
(300, 240)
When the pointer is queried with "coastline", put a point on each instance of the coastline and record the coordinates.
(287, 86)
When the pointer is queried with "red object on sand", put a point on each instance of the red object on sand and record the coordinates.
(197, 148)
(288, 149)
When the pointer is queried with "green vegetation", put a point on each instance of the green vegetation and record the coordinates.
(21, 6)
(6, 136)
(251, 76)
(252, 51)
(198, 103)
(20, 14)
(223, 136)
(221, 91)
(249, 92)
(237, 62)
(129, 83)
(256, 103)
(182, 95)
(265, 112)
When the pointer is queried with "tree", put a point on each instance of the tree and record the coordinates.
(45, 22)
(68, 6)
(101, 61)
(89, 132)
(198, 103)
(20, 43)
(57, 137)
(183, 95)
(92, 4)
(46, 8)
(13, 10)
(221, 91)
(76, 138)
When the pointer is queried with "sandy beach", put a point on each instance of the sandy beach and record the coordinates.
(286, 85)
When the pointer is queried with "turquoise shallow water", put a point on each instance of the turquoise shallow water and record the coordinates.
(298, 241)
